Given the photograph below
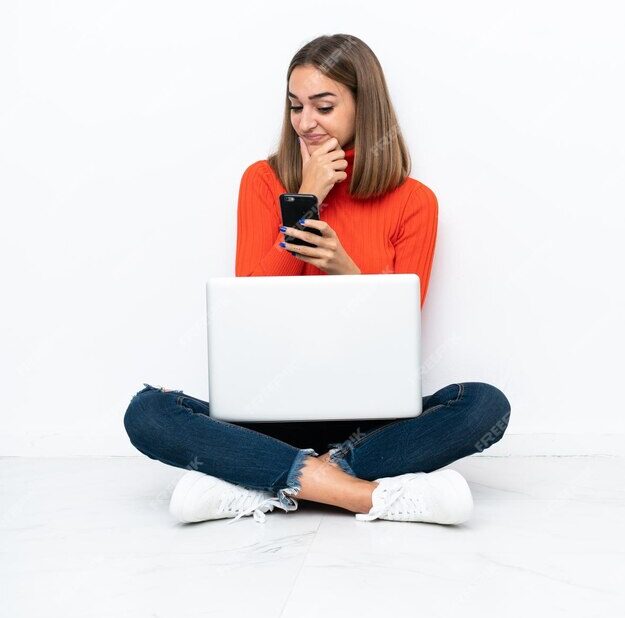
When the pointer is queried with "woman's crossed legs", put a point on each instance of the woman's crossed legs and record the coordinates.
(458, 420)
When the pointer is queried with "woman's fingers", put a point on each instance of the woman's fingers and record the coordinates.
(314, 239)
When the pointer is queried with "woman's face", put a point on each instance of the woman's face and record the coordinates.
(330, 115)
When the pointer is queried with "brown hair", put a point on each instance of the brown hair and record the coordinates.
(381, 161)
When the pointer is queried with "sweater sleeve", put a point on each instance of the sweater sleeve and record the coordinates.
(416, 239)
(258, 236)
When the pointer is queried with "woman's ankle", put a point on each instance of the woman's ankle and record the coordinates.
(330, 484)
(364, 503)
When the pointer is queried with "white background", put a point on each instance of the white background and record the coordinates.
(125, 128)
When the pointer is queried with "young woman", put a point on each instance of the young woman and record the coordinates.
(341, 142)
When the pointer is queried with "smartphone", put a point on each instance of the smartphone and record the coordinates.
(296, 206)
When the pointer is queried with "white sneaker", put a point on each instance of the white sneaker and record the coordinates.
(198, 497)
(440, 497)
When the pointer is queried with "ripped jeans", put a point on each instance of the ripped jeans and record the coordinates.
(176, 429)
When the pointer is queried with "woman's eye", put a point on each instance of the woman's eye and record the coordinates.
(324, 110)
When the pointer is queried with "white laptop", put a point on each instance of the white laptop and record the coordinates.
(312, 348)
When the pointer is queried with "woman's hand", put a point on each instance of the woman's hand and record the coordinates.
(322, 169)
(328, 254)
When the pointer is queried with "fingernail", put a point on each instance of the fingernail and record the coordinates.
(302, 221)
(282, 228)
(282, 244)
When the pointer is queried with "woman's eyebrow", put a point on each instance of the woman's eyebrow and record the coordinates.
(315, 96)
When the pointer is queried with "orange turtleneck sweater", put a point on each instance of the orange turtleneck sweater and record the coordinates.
(394, 233)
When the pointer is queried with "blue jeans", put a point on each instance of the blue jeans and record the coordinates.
(176, 429)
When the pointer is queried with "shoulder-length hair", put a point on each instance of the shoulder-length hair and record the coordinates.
(381, 159)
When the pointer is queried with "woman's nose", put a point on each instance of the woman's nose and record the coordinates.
(306, 122)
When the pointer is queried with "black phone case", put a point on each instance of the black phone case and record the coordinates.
(296, 206)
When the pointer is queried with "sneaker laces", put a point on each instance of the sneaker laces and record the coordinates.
(389, 496)
(246, 503)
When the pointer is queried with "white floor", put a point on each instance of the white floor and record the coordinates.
(93, 537)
